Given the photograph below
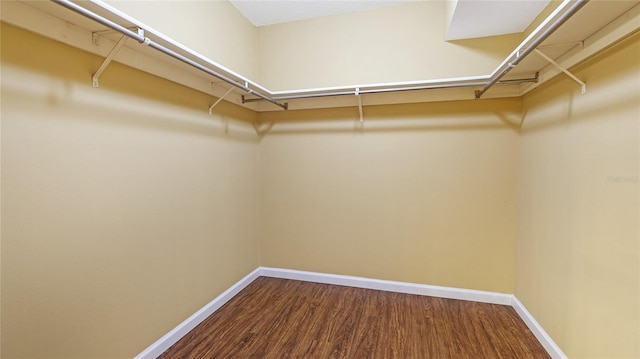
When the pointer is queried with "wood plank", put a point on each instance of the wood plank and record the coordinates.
(280, 318)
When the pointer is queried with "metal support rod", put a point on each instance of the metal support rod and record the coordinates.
(377, 90)
(359, 104)
(95, 36)
(107, 61)
(247, 100)
(220, 99)
(519, 81)
(110, 31)
(559, 67)
(329, 94)
(394, 89)
(571, 43)
(526, 50)
(398, 89)
(142, 39)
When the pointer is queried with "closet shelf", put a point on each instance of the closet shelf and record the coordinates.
(575, 31)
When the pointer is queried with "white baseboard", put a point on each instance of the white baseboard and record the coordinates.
(162, 344)
(390, 286)
(549, 345)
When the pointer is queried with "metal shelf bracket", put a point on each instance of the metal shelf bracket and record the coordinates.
(219, 99)
(567, 72)
(107, 60)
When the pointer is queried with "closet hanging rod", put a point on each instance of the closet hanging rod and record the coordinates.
(562, 13)
(365, 91)
(536, 38)
(145, 40)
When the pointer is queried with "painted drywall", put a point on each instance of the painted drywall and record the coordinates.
(422, 193)
(0, 211)
(125, 208)
(578, 243)
(214, 29)
(398, 43)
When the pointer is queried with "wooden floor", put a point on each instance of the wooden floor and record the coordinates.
(278, 318)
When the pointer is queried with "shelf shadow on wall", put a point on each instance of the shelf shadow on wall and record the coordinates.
(468, 115)
(60, 82)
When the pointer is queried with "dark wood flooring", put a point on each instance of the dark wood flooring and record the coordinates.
(278, 318)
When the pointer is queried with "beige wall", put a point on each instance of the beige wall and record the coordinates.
(125, 208)
(398, 43)
(0, 203)
(215, 29)
(578, 244)
(425, 194)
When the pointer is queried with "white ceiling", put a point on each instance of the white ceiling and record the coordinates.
(270, 12)
(480, 18)
(471, 18)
